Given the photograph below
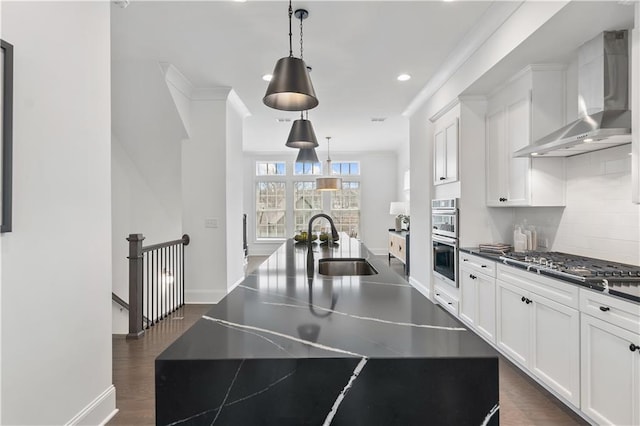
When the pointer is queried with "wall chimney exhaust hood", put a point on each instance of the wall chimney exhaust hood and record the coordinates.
(603, 101)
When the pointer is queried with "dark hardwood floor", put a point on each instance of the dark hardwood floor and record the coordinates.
(522, 401)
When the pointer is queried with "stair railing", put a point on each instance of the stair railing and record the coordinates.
(156, 282)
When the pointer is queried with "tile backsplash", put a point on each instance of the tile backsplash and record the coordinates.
(599, 219)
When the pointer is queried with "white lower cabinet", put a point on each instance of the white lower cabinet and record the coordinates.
(610, 372)
(478, 300)
(540, 334)
(513, 334)
(555, 350)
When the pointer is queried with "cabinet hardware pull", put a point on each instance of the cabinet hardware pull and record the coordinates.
(442, 178)
(473, 277)
(633, 347)
(529, 301)
(483, 266)
(523, 298)
(465, 260)
(604, 308)
(437, 294)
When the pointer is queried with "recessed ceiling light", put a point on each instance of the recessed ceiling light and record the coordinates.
(267, 77)
(283, 120)
(587, 140)
(378, 119)
(240, 1)
(404, 77)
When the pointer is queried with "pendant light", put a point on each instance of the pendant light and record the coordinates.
(290, 88)
(302, 134)
(307, 155)
(328, 183)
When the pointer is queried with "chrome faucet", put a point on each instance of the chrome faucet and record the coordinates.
(334, 236)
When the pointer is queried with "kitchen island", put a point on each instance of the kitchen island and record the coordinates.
(289, 346)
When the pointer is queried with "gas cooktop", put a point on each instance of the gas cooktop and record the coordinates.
(611, 277)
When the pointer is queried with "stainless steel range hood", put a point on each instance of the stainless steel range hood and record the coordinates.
(603, 86)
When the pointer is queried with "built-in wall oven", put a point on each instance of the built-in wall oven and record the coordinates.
(444, 239)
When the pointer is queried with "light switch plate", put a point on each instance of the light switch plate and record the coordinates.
(211, 222)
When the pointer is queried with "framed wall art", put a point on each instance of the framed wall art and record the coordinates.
(6, 124)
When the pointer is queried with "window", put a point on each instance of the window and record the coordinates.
(307, 169)
(345, 168)
(306, 203)
(345, 207)
(271, 168)
(271, 206)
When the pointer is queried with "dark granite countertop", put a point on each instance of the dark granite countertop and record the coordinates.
(476, 251)
(281, 312)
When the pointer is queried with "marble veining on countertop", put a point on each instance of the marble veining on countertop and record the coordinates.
(283, 311)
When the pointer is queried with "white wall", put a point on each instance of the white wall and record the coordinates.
(379, 186)
(600, 219)
(236, 112)
(56, 275)
(212, 200)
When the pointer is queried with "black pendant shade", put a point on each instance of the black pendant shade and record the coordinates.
(290, 88)
(302, 135)
(307, 155)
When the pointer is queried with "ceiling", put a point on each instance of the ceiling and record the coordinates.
(356, 50)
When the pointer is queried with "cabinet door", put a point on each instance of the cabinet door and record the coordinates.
(451, 151)
(496, 161)
(439, 158)
(485, 320)
(468, 296)
(513, 322)
(610, 373)
(555, 349)
(518, 135)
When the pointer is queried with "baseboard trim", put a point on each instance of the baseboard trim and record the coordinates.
(234, 285)
(99, 411)
(203, 297)
(423, 289)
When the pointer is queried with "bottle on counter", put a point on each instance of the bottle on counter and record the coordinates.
(519, 240)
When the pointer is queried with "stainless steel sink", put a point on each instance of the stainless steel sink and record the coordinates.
(345, 266)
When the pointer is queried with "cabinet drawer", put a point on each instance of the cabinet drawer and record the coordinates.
(446, 301)
(614, 311)
(478, 264)
(445, 295)
(556, 290)
(397, 246)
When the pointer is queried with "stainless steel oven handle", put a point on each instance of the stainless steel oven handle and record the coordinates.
(440, 239)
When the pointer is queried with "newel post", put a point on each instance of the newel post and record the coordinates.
(135, 257)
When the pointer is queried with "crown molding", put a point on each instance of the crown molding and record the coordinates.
(487, 25)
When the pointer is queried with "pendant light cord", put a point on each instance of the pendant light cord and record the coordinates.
(290, 33)
(301, 50)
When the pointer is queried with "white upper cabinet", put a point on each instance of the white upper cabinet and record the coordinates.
(528, 107)
(445, 148)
